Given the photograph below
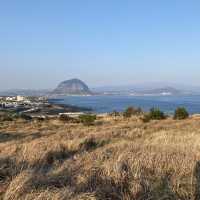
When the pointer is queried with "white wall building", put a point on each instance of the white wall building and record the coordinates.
(10, 98)
(20, 98)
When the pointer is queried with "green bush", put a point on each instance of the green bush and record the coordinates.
(156, 114)
(87, 119)
(181, 113)
(130, 111)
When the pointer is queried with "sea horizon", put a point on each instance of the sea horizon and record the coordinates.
(109, 103)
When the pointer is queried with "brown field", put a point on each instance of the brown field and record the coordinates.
(116, 159)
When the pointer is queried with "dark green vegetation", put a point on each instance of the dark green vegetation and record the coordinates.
(154, 114)
(87, 119)
(181, 113)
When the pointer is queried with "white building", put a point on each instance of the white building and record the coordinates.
(10, 98)
(20, 98)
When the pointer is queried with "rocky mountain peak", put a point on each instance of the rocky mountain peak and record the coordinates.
(72, 87)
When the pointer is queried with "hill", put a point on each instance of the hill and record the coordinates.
(162, 91)
(25, 92)
(72, 87)
(126, 90)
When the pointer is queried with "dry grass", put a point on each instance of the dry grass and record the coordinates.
(116, 159)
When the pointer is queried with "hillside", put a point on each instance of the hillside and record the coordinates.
(115, 159)
(72, 87)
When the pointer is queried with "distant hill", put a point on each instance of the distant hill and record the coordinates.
(162, 91)
(131, 90)
(78, 87)
(25, 92)
(72, 87)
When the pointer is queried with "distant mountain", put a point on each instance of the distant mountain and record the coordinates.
(25, 92)
(78, 87)
(162, 91)
(136, 90)
(149, 87)
(72, 87)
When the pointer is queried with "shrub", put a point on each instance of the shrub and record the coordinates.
(156, 114)
(181, 113)
(130, 111)
(87, 119)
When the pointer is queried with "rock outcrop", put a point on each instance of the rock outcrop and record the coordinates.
(72, 87)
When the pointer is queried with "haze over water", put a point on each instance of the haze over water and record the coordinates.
(103, 104)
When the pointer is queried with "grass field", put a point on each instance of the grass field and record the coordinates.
(115, 159)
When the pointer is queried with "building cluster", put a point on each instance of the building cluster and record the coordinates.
(36, 107)
(19, 101)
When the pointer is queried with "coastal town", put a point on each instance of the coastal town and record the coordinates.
(37, 107)
(19, 101)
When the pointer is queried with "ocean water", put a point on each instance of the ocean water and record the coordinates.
(103, 104)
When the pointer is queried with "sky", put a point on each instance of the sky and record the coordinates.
(103, 42)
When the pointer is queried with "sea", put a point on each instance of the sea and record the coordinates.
(106, 104)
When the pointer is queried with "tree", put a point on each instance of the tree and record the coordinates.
(181, 113)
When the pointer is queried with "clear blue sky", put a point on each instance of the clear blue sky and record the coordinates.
(103, 42)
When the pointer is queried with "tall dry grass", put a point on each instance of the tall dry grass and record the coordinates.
(117, 159)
